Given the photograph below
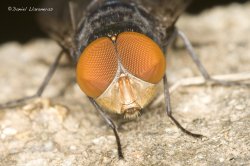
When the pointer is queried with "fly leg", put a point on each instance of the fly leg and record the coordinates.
(41, 89)
(111, 125)
(169, 110)
(200, 66)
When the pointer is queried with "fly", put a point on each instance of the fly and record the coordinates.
(118, 48)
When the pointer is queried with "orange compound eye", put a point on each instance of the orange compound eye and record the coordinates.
(141, 56)
(96, 67)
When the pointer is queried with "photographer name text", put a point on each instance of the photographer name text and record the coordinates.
(29, 9)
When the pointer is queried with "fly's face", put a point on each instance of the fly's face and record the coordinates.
(121, 72)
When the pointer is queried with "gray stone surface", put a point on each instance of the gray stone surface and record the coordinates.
(62, 128)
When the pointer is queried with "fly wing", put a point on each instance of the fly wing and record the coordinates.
(61, 23)
(165, 11)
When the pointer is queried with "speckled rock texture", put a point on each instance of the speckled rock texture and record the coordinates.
(63, 129)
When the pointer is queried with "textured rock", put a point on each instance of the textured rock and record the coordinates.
(63, 128)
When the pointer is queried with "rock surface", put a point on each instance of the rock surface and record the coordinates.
(62, 128)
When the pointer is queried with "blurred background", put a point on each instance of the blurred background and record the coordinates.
(22, 26)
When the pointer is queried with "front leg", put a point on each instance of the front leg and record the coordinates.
(169, 110)
(111, 124)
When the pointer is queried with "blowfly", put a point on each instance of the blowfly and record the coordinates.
(118, 48)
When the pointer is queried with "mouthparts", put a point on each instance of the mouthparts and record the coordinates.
(131, 111)
(130, 107)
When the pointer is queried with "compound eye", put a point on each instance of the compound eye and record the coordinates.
(141, 56)
(96, 67)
